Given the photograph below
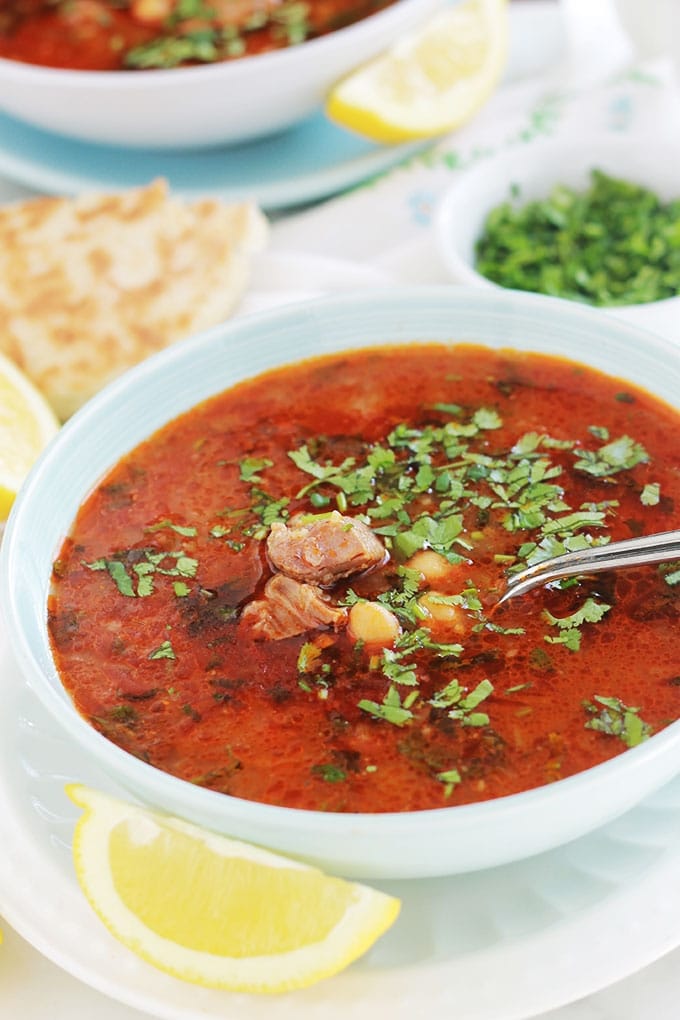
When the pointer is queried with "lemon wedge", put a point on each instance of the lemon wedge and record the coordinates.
(430, 82)
(27, 423)
(214, 911)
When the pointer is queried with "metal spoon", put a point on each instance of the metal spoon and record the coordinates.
(631, 552)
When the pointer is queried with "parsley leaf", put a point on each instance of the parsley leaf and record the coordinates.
(615, 719)
(618, 455)
(164, 651)
(590, 612)
(670, 576)
(650, 494)
(451, 778)
(329, 773)
(461, 702)
(392, 709)
(250, 467)
(568, 626)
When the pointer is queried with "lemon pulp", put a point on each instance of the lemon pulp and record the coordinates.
(212, 911)
(216, 911)
(429, 82)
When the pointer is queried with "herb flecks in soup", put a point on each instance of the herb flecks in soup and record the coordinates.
(287, 593)
(108, 35)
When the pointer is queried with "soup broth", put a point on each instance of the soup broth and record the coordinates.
(287, 594)
(111, 35)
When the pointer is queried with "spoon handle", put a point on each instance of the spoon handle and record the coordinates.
(631, 552)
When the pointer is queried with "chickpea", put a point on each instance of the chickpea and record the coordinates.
(238, 13)
(151, 12)
(83, 14)
(434, 567)
(441, 614)
(373, 624)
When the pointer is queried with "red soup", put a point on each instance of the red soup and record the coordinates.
(287, 593)
(110, 35)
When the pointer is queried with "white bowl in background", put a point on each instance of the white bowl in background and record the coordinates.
(534, 169)
(190, 107)
(390, 845)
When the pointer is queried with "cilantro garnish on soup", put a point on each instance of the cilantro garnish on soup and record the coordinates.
(130, 35)
(287, 593)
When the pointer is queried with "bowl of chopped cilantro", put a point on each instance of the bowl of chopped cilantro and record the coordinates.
(597, 223)
(184, 73)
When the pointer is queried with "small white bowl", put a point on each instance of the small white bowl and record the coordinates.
(534, 170)
(390, 845)
(191, 107)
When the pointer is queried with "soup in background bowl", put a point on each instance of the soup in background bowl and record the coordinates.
(275, 578)
(214, 85)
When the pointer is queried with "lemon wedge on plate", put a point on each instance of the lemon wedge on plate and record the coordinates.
(429, 82)
(215, 911)
(27, 423)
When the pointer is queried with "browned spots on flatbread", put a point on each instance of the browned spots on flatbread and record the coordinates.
(92, 285)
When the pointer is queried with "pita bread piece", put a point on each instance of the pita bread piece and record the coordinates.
(92, 285)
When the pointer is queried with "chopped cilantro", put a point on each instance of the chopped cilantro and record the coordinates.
(450, 778)
(293, 19)
(164, 651)
(570, 637)
(590, 612)
(402, 600)
(391, 709)
(671, 576)
(138, 580)
(195, 47)
(517, 688)
(650, 494)
(220, 530)
(329, 773)
(396, 671)
(612, 717)
(618, 455)
(308, 658)
(268, 510)
(250, 467)
(567, 524)
(117, 572)
(453, 409)
(125, 714)
(569, 626)
(461, 703)
(187, 532)
(614, 243)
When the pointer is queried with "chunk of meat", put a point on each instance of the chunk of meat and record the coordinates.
(323, 548)
(289, 608)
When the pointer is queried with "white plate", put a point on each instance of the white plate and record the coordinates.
(503, 944)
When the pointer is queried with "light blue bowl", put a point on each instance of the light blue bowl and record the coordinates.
(442, 841)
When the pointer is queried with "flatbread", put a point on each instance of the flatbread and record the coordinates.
(90, 286)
